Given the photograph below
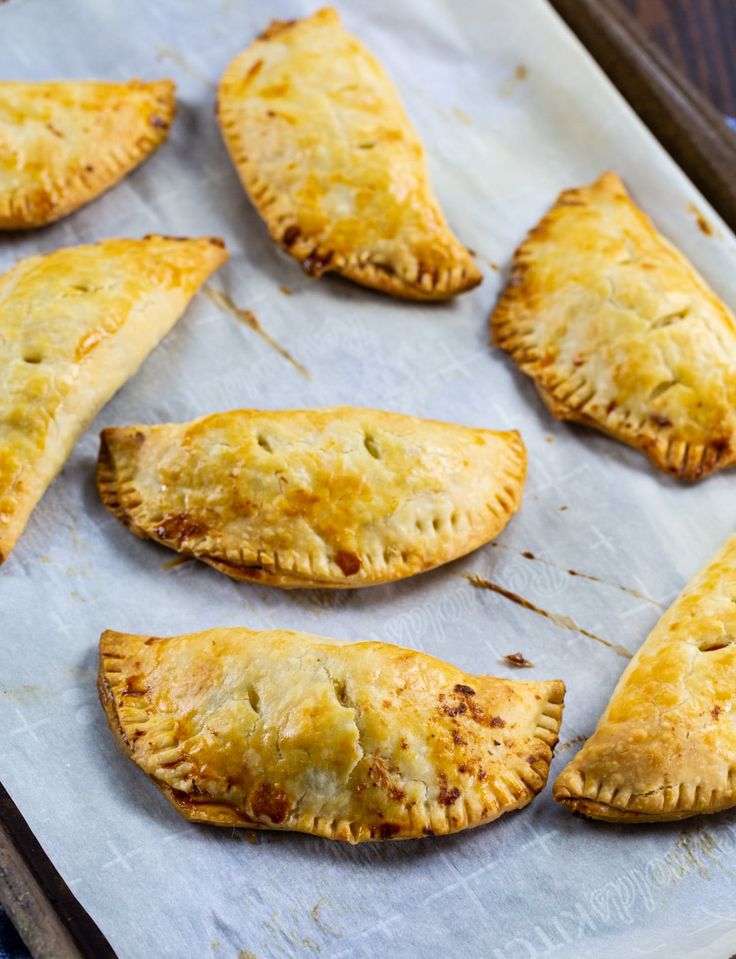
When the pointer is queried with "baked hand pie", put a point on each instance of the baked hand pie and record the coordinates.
(332, 163)
(63, 143)
(665, 748)
(74, 326)
(358, 741)
(618, 331)
(336, 498)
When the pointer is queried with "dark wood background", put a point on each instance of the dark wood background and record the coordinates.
(700, 38)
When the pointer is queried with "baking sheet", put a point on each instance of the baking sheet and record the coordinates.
(511, 110)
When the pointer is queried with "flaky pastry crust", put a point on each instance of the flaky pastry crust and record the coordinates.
(360, 741)
(330, 160)
(333, 498)
(63, 143)
(619, 331)
(665, 748)
(74, 326)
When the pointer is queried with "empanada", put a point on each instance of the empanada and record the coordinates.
(335, 497)
(665, 748)
(331, 162)
(619, 331)
(74, 326)
(63, 143)
(359, 741)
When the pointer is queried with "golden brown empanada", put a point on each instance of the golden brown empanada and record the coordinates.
(63, 143)
(359, 741)
(331, 162)
(335, 497)
(74, 326)
(619, 332)
(665, 748)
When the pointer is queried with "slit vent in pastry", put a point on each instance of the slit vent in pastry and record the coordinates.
(618, 331)
(336, 498)
(359, 741)
(65, 142)
(74, 326)
(333, 165)
(665, 748)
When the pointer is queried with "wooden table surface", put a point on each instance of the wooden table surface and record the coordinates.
(699, 36)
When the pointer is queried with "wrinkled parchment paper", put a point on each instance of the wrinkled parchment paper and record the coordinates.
(511, 110)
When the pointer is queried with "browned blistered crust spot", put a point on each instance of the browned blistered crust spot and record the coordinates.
(447, 796)
(457, 738)
(133, 686)
(660, 419)
(457, 710)
(348, 562)
(497, 722)
(270, 802)
(179, 527)
(464, 690)
(715, 712)
(380, 775)
(156, 121)
(291, 235)
(388, 829)
(316, 263)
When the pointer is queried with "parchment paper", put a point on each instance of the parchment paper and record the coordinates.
(511, 110)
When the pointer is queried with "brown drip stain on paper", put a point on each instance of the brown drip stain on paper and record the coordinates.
(704, 225)
(509, 86)
(564, 622)
(697, 849)
(248, 317)
(571, 743)
(527, 554)
(462, 116)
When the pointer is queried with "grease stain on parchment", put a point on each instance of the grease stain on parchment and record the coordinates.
(462, 116)
(510, 85)
(559, 619)
(316, 915)
(19, 694)
(177, 57)
(223, 302)
(703, 223)
(697, 849)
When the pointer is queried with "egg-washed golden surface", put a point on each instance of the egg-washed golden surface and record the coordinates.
(665, 748)
(331, 162)
(74, 326)
(620, 332)
(65, 142)
(359, 741)
(337, 497)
